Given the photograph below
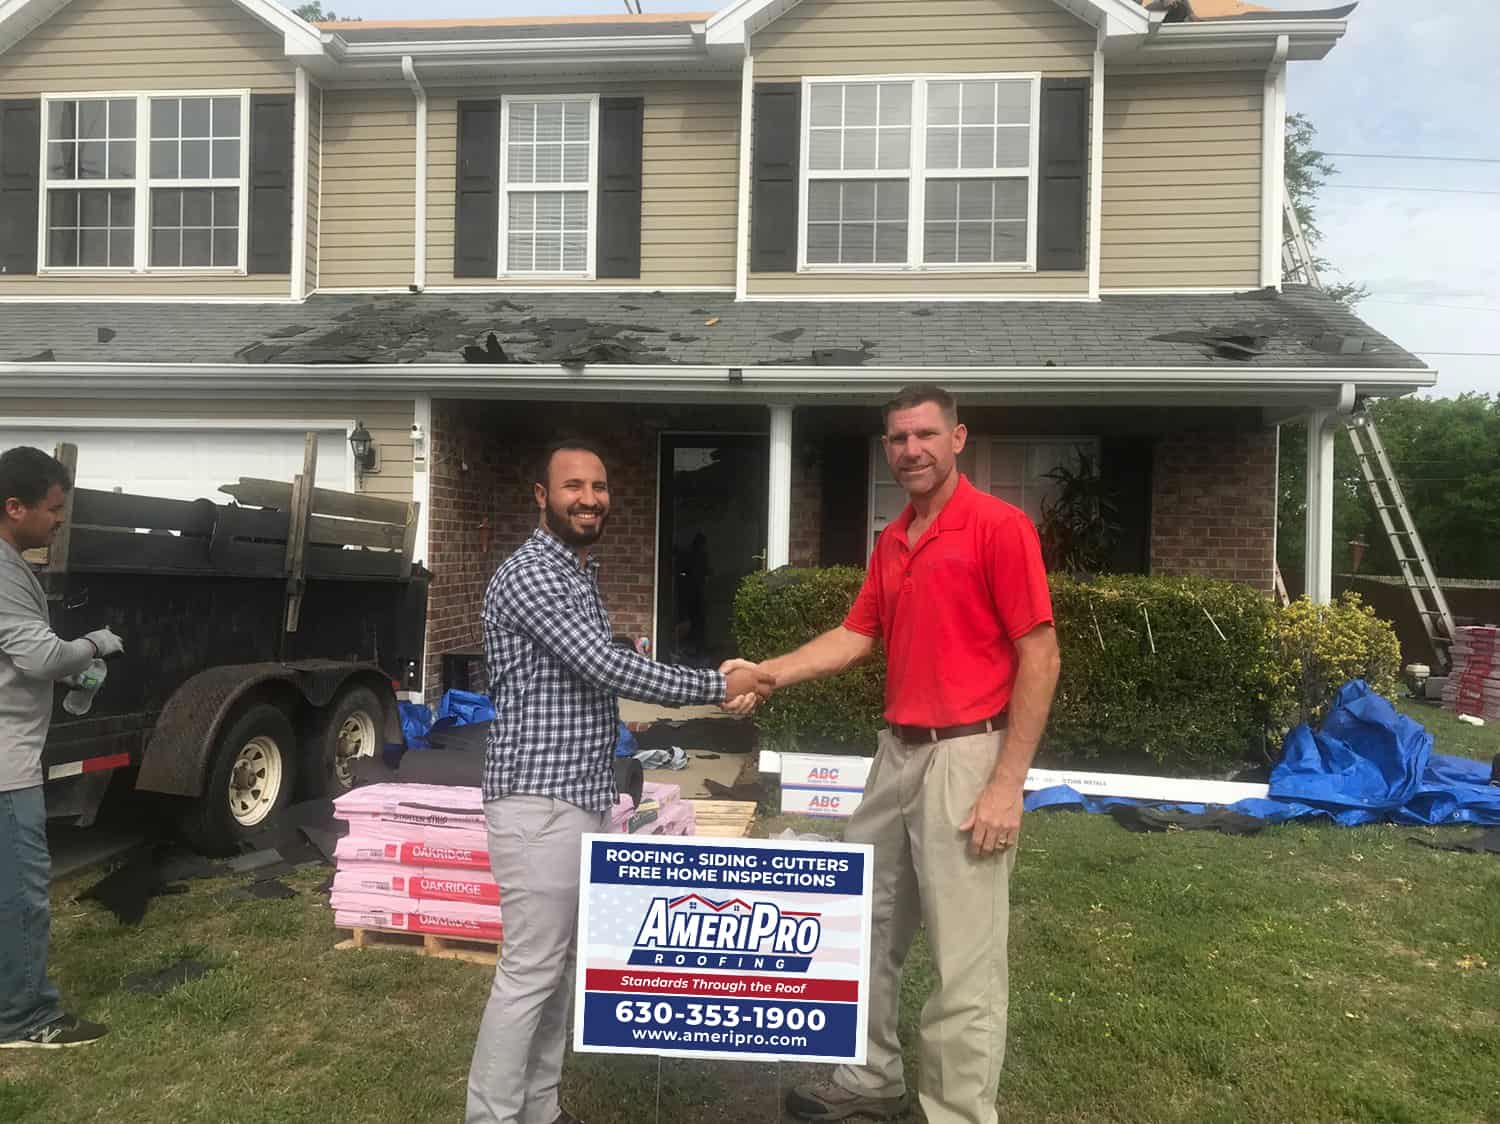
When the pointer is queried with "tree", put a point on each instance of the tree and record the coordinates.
(1446, 456)
(1307, 170)
(314, 12)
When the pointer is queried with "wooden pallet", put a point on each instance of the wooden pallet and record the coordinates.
(423, 944)
(724, 819)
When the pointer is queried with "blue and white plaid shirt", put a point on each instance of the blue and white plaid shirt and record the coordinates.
(555, 675)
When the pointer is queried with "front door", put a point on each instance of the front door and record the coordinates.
(713, 534)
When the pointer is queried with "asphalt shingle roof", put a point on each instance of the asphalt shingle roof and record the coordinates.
(1299, 328)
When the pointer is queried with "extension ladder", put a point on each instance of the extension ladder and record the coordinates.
(1406, 544)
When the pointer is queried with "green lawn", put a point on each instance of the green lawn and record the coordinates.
(1303, 974)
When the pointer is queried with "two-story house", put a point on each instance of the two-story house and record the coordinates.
(714, 243)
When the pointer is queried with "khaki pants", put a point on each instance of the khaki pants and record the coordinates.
(535, 843)
(915, 798)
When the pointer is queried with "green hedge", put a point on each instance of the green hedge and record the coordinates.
(1190, 672)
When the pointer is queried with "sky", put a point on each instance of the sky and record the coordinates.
(1411, 78)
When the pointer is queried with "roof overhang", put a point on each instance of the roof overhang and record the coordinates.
(303, 41)
(733, 25)
(1278, 391)
(1230, 41)
(617, 52)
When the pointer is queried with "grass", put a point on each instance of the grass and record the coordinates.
(1308, 973)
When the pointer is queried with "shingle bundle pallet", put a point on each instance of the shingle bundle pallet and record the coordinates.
(1474, 681)
(416, 859)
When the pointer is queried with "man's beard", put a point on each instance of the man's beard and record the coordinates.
(560, 524)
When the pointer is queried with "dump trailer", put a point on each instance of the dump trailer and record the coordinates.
(266, 641)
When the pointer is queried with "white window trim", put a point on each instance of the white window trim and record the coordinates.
(588, 273)
(916, 175)
(982, 445)
(141, 184)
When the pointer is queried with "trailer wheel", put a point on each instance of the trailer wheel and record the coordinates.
(249, 782)
(350, 729)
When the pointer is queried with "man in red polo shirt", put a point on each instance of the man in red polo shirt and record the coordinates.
(957, 592)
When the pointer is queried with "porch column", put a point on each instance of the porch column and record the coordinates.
(779, 522)
(1319, 543)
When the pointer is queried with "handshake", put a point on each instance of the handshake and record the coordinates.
(745, 686)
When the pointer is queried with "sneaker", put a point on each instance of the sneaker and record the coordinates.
(827, 1100)
(60, 1034)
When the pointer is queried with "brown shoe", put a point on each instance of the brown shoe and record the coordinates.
(827, 1100)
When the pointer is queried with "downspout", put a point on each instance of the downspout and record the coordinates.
(1322, 427)
(419, 266)
(1273, 141)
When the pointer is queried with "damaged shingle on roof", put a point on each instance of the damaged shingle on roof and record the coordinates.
(1300, 327)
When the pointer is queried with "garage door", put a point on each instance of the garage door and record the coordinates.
(186, 464)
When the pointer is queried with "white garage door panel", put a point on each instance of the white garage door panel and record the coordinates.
(187, 464)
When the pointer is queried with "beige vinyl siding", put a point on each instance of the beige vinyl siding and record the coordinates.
(830, 38)
(368, 220)
(837, 37)
(143, 45)
(810, 286)
(272, 286)
(137, 46)
(389, 422)
(1182, 181)
(314, 181)
(690, 177)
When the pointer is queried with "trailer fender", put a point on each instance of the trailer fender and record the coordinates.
(178, 753)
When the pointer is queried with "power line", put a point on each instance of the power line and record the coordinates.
(1393, 187)
(1398, 156)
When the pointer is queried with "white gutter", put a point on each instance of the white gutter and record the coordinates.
(1249, 386)
(647, 46)
(419, 266)
(1307, 39)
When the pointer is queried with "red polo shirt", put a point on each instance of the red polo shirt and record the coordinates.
(950, 607)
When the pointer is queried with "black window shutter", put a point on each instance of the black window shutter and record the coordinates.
(476, 224)
(270, 183)
(774, 168)
(20, 187)
(1062, 194)
(618, 241)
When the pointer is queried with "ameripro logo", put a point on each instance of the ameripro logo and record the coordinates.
(692, 931)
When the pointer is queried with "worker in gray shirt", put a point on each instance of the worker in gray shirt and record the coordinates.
(33, 487)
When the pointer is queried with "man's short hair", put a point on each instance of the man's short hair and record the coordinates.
(563, 444)
(27, 474)
(916, 394)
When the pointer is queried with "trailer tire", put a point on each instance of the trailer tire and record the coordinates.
(349, 728)
(249, 782)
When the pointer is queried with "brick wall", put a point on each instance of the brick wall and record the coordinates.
(1213, 506)
(482, 507)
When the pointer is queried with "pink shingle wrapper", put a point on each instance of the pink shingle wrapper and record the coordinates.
(401, 884)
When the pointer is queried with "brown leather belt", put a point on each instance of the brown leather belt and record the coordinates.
(919, 735)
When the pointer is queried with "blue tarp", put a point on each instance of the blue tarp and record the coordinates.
(455, 708)
(1368, 763)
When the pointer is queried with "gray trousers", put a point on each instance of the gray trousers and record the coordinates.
(28, 999)
(535, 844)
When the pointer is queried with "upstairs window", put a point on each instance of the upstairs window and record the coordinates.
(920, 173)
(549, 155)
(143, 182)
(91, 183)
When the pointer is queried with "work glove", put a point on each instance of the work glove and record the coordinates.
(105, 642)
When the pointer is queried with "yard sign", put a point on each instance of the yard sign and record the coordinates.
(743, 949)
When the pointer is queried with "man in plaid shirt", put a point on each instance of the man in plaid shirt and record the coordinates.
(556, 676)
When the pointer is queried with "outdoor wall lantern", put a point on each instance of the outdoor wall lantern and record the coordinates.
(366, 452)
